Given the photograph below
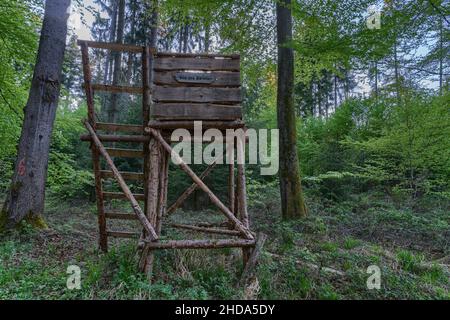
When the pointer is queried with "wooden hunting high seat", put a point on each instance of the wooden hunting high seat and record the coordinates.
(177, 90)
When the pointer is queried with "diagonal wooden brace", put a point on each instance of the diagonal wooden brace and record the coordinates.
(190, 189)
(194, 186)
(134, 204)
(239, 226)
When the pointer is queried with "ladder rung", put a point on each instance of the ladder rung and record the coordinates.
(111, 46)
(136, 176)
(117, 89)
(120, 195)
(116, 138)
(122, 234)
(125, 153)
(120, 216)
(201, 244)
(133, 128)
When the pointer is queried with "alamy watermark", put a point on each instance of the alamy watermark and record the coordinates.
(74, 277)
(207, 147)
(373, 21)
(374, 280)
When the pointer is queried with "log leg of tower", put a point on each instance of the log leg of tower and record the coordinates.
(231, 181)
(238, 224)
(146, 101)
(163, 180)
(152, 198)
(242, 194)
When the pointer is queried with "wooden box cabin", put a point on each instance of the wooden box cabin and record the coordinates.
(196, 87)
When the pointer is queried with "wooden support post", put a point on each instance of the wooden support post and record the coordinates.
(164, 181)
(146, 98)
(236, 200)
(146, 101)
(147, 256)
(231, 180)
(153, 169)
(242, 193)
(126, 190)
(253, 259)
(239, 226)
(103, 236)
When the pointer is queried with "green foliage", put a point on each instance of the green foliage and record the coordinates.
(410, 262)
(69, 175)
(18, 44)
(65, 181)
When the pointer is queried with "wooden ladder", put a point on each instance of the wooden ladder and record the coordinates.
(133, 134)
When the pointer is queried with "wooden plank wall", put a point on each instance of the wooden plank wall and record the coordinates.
(190, 87)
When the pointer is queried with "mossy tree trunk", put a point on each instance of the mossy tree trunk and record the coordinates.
(25, 199)
(292, 200)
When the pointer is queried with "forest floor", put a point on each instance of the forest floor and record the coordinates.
(324, 256)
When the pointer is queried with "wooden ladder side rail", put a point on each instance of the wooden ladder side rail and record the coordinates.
(134, 204)
(103, 236)
(238, 224)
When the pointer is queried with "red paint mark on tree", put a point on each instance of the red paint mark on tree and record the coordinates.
(22, 167)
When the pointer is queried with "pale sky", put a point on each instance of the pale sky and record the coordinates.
(82, 30)
(75, 23)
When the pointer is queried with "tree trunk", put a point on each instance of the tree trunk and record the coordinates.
(112, 35)
(109, 60)
(376, 81)
(207, 37)
(185, 38)
(397, 74)
(441, 54)
(335, 93)
(26, 196)
(112, 112)
(180, 40)
(292, 201)
(154, 27)
(131, 56)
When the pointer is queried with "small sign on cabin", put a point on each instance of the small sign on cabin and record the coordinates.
(191, 77)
